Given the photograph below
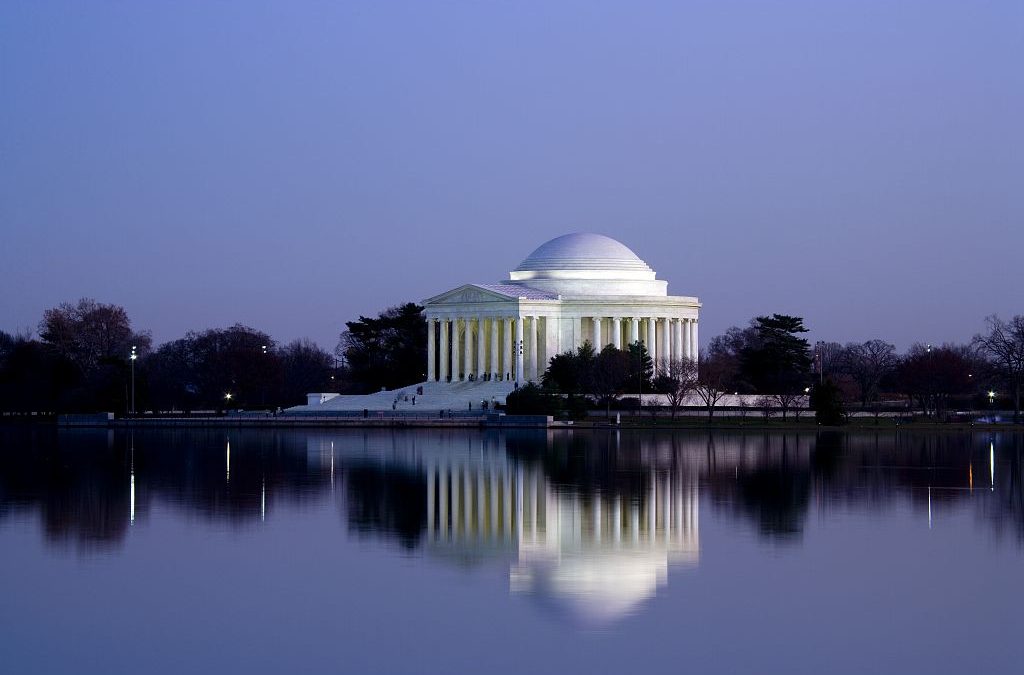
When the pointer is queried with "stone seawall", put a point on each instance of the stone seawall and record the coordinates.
(308, 421)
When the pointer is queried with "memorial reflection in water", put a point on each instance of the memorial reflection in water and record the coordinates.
(596, 551)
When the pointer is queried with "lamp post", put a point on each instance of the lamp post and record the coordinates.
(132, 358)
(263, 388)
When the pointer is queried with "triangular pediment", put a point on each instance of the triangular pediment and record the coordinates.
(468, 294)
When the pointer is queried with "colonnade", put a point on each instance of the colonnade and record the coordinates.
(666, 338)
(519, 347)
(491, 348)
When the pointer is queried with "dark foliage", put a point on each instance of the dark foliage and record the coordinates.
(387, 351)
(933, 376)
(641, 369)
(532, 399)
(774, 358)
(570, 372)
(827, 403)
(34, 377)
(1003, 345)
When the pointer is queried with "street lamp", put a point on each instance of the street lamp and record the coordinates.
(991, 397)
(263, 382)
(133, 357)
(227, 396)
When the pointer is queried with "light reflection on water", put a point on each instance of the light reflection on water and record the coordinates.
(591, 529)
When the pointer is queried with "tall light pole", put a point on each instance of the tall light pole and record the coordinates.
(263, 388)
(133, 357)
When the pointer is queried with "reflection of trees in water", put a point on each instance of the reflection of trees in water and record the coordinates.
(390, 501)
(81, 498)
(771, 487)
(78, 480)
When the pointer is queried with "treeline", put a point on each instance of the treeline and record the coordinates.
(772, 360)
(82, 360)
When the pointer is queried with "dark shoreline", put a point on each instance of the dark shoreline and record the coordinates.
(495, 422)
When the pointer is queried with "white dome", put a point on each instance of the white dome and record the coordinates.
(584, 264)
(583, 251)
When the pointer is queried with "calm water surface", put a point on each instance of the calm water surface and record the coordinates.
(532, 552)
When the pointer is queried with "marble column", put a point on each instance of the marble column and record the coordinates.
(617, 332)
(444, 350)
(678, 329)
(495, 370)
(540, 353)
(519, 349)
(430, 350)
(693, 339)
(597, 334)
(664, 339)
(685, 332)
(634, 330)
(506, 364)
(670, 339)
(481, 348)
(691, 343)
(456, 351)
(530, 346)
(468, 355)
(651, 347)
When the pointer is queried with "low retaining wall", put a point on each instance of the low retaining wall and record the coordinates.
(306, 420)
(86, 420)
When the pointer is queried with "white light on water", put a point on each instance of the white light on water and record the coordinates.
(992, 466)
(263, 499)
(227, 474)
(131, 497)
(929, 507)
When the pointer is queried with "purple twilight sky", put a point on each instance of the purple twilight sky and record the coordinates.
(292, 165)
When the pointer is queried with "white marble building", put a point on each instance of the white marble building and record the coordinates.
(483, 339)
(575, 288)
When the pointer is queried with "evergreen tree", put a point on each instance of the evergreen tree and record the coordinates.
(386, 351)
(775, 359)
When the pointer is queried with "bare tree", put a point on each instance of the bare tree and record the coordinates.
(677, 379)
(767, 405)
(827, 359)
(786, 402)
(90, 333)
(714, 374)
(1004, 347)
(867, 364)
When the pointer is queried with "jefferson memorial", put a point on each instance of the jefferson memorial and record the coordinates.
(484, 339)
(575, 288)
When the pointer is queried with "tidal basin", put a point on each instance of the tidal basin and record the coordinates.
(519, 551)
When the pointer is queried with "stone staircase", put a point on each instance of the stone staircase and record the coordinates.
(436, 396)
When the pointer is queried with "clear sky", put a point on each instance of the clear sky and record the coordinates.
(292, 165)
